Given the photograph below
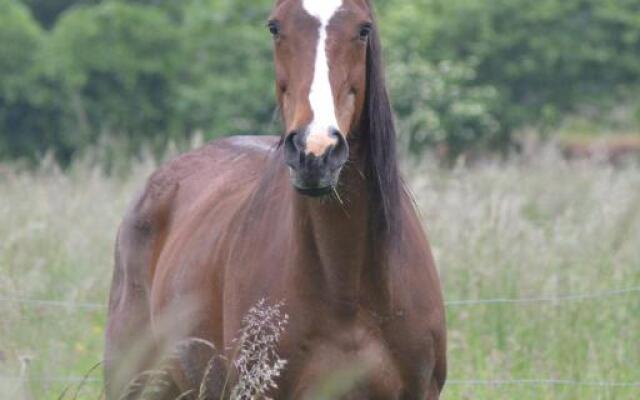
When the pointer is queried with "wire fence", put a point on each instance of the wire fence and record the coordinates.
(70, 380)
(542, 382)
(554, 300)
(450, 303)
(52, 303)
(546, 299)
(76, 380)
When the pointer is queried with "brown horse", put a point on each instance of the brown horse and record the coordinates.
(318, 220)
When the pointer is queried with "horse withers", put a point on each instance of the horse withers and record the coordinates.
(317, 221)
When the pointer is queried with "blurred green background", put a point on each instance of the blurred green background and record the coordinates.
(466, 75)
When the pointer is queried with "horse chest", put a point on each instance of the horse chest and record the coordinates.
(342, 361)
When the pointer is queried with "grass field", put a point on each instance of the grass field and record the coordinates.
(518, 230)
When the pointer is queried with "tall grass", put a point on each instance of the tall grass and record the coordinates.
(547, 228)
(499, 230)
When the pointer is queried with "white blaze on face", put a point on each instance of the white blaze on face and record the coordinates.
(321, 95)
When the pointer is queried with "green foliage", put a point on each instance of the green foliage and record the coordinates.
(138, 71)
(48, 11)
(227, 81)
(464, 73)
(24, 112)
(118, 64)
(440, 105)
(545, 56)
(21, 38)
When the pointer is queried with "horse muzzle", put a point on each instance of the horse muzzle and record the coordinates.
(315, 160)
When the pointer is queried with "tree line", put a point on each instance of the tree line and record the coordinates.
(466, 74)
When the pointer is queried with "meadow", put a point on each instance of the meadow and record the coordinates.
(562, 237)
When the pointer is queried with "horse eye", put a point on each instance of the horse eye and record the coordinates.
(274, 28)
(365, 31)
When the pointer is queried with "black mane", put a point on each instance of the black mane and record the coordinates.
(378, 132)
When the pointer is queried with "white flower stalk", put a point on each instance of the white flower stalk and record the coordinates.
(258, 364)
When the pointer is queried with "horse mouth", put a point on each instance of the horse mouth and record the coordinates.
(315, 192)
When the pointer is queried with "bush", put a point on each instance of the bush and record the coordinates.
(24, 118)
(439, 105)
(545, 56)
(465, 73)
(48, 11)
(226, 84)
(118, 64)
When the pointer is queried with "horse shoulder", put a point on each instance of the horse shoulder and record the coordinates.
(418, 330)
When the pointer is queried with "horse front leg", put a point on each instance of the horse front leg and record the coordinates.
(201, 370)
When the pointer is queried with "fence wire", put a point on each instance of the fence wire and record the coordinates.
(541, 382)
(546, 299)
(450, 303)
(52, 303)
(70, 380)
(69, 305)
(450, 382)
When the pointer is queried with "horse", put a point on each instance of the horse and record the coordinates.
(317, 220)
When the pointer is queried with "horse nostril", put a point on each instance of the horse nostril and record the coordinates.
(294, 155)
(339, 153)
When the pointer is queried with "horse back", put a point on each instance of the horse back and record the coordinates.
(224, 169)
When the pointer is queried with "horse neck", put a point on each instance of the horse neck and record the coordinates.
(334, 253)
